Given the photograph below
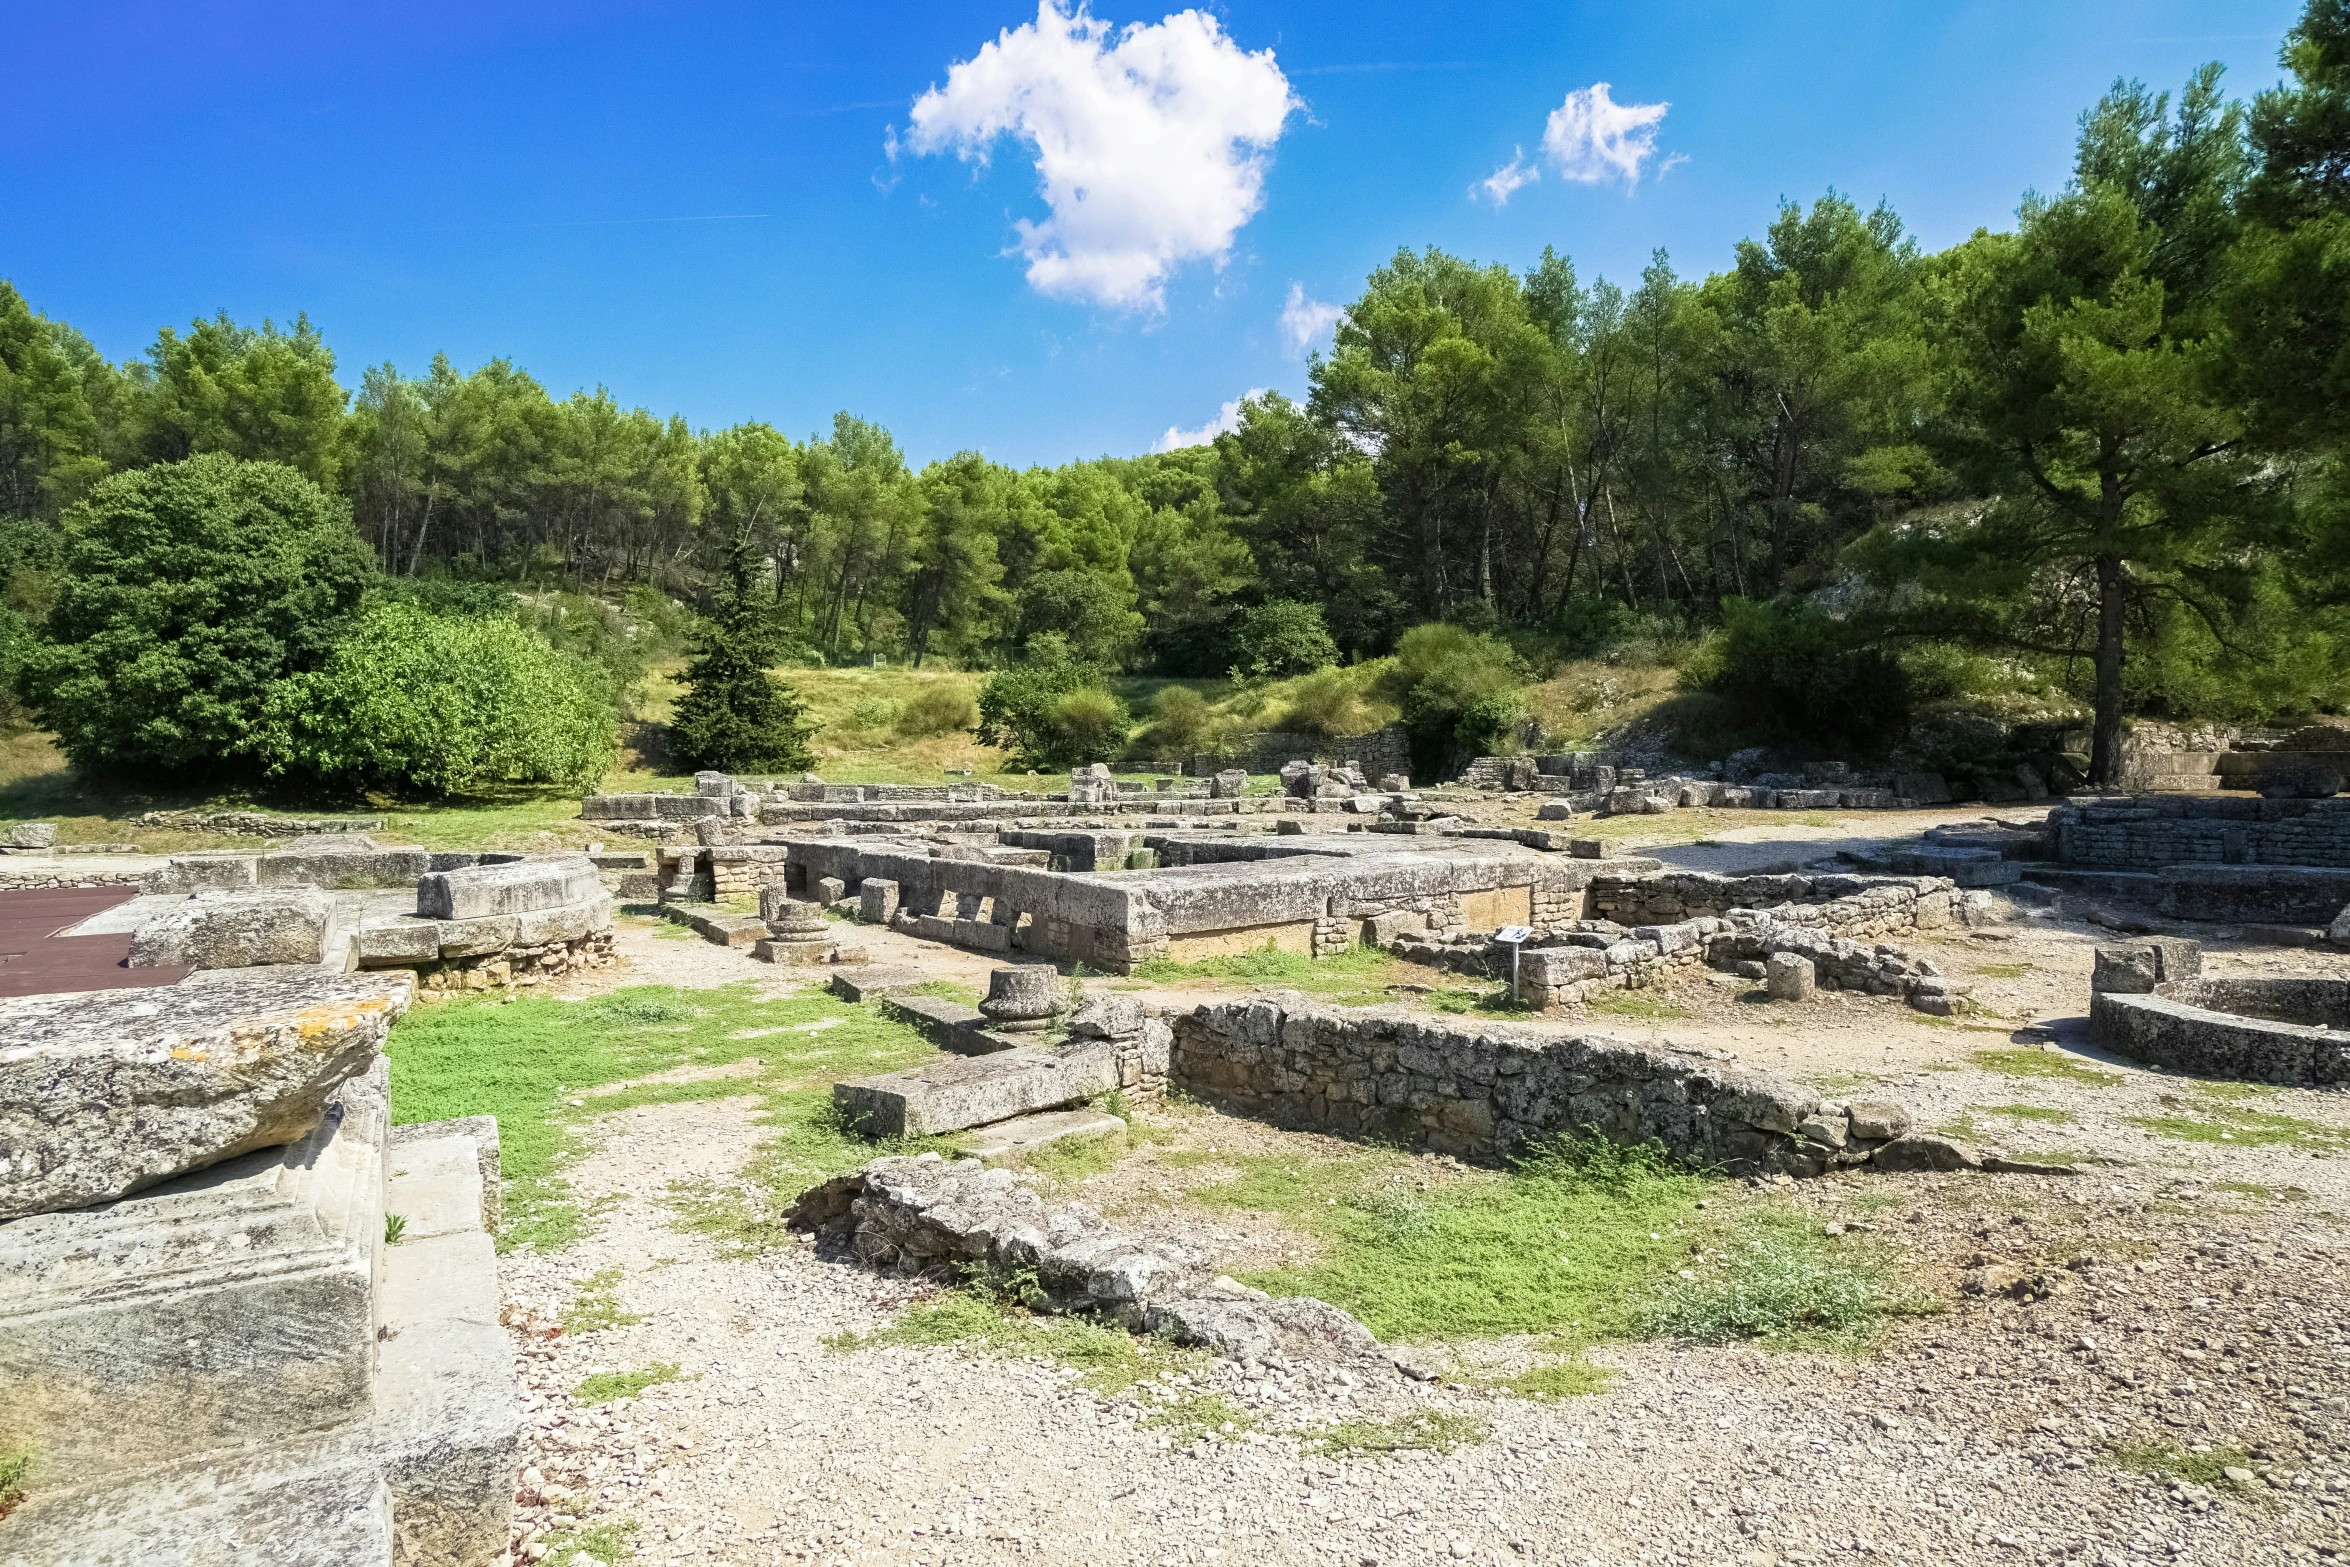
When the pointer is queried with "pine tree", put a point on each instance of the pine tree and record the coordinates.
(735, 717)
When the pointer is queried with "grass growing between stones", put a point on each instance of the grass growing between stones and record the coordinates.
(603, 1387)
(2220, 1117)
(748, 1216)
(2047, 1065)
(607, 1543)
(596, 1305)
(533, 1064)
(16, 1466)
(1585, 1241)
(1359, 976)
(1107, 1360)
(2164, 1462)
(1648, 1005)
(1430, 1431)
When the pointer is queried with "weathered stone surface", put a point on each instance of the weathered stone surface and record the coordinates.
(877, 900)
(873, 983)
(1916, 1151)
(571, 922)
(105, 1092)
(31, 835)
(314, 1508)
(1013, 1138)
(2263, 1030)
(479, 937)
(1924, 788)
(226, 1306)
(947, 1096)
(341, 867)
(927, 1215)
(1876, 1119)
(205, 873)
(399, 941)
(1107, 1017)
(521, 887)
(219, 930)
(1789, 977)
(1028, 994)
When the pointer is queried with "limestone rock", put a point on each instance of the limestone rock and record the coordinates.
(1915, 1151)
(224, 930)
(105, 1092)
(1874, 1120)
(32, 835)
(1788, 977)
(521, 887)
(1107, 1017)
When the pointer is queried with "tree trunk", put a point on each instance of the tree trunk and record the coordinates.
(2105, 743)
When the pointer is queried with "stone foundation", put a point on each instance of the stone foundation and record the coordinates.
(1480, 1092)
(2260, 1030)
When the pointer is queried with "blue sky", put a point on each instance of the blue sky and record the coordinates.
(697, 205)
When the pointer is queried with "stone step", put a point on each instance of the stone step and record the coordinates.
(1023, 1133)
(715, 924)
(965, 1091)
(950, 1025)
(873, 982)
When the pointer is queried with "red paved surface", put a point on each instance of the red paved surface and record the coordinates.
(36, 961)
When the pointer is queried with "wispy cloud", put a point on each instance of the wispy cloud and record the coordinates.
(1594, 139)
(1508, 180)
(1227, 420)
(1151, 142)
(1305, 321)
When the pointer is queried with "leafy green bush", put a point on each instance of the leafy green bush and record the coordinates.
(938, 709)
(189, 590)
(1328, 702)
(735, 717)
(433, 704)
(1021, 709)
(1281, 637)
(1461, 693)
(1180, 723)
(1093, 612)
(1800, 678)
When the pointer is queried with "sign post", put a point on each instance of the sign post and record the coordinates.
(1514, 937)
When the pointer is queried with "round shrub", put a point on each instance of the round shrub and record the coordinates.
(188, 591)
(420, 703)
(1087, 725)
(939, 708)
(1282, 637)
(1329, 703)
(1180, 721)
(1461, 693)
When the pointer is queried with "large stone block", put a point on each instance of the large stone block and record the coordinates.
(217, 930)
(399, 941)
(204, 873)
(228, 1306)
(342, 868)
(947, 1096)
(308, 1507)
(539, 927)
(105, 1092)
(523, 887)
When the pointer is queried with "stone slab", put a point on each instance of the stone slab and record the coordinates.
(230, 1306)
(342, 869)
(304, 1505)
(521, 887)
(217, 930)
(227, 872)
(481, 1133)
(398, 941)
(1013, 1138)
(948, 1096)
(103, 1093)
(870, 984)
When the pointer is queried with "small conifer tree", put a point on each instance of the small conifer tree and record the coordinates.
(735, 717)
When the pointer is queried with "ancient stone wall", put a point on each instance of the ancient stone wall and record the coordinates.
(1380, 752)
(2148, 834)
(1481, 1091)
(2263, 1030)
(1850, 905)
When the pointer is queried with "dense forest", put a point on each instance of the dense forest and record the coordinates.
(2106, 443)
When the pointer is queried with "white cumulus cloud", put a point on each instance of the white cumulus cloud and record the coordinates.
(1593, 138)
(1507, 180)
(1227, 419)
(1150, 142)
(1305, 322)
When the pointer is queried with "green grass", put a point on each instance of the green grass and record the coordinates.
(1579, 1240)
(1784, 1282)
(2003, 970)
(2020, 1112)
(748, 1217)
(2165, 1462)
(1068, 1160)
(2052, 1065)
(978, 1320)
(1431, 1431)
(1356, 977)
(16, 1466)
(607, 1543)
(1644, 1004)
(2216, 1118)
(533, 1064)
(395, 1226)
(1569, 1378)
(602, 1387)
(596, 1306)
(945, 990)
(1185, 1417)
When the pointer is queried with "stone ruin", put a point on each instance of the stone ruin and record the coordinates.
(2150, 1001)
(212, 1351)
(460, 920)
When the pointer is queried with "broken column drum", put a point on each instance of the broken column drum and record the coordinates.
(1022, 999)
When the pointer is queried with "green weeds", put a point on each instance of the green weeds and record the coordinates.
(2051, 1065)
(534, 1063)
(596, 1305)
(602, 1387)
(1430, 1431)
(1783, 1282)
(2214, 1118)
(1108, 1361)
(395, 1226)
(1645, 1005)
(2164, 1462)
(16, 1467)
(607, 1543)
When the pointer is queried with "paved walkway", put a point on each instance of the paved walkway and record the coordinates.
(36, 959)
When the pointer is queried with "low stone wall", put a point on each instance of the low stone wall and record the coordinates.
(2262, 1030)
(1848, 905)
(2254, 894)
(2157, 831)
(1480, 1092)
(13, 880)
(1382, 751)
